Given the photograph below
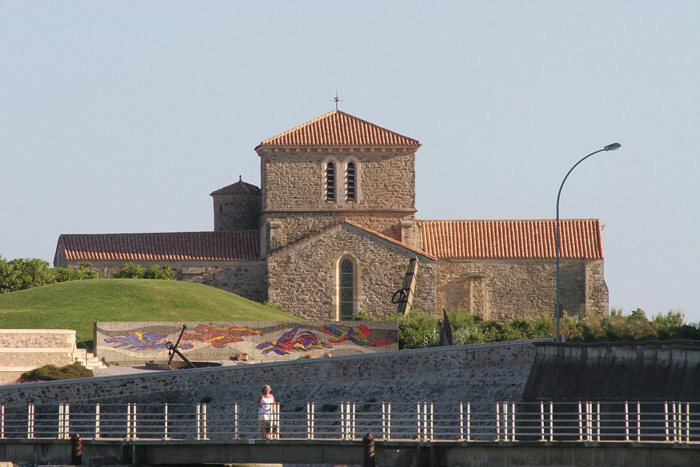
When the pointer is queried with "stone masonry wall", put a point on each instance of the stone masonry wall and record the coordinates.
(506, 289)
(237, 212)
(304, 281)
(285, 228)
(477, 373)
(294, 180)
(23, 350)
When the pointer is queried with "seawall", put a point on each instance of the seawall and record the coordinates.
(644, 371)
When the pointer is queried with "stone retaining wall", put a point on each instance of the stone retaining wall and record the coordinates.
(478, 373)
(23, 350)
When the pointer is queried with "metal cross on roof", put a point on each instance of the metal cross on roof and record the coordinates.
(337, 99)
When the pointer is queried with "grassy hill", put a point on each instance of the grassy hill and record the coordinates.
(77, 304)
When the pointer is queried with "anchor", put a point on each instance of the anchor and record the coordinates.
(172, 350)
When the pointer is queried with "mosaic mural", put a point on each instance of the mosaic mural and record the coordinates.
(134, 342)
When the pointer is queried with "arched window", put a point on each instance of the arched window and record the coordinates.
(330, 181)
(350, 180)
(347, 289)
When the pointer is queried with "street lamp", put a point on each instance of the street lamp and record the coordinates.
(557, 306)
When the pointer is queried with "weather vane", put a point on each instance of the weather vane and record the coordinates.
(337, 99)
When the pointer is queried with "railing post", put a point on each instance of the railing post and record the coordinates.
(134, 420)
(687, 422)
(469, 421)
(432, 421)
(627, 422)
(2, 421)
(97, 420)
(598, 419)
(551, 421)
(666, 419)
(343, 434)
(236, 433)
(388, 422)
(461, 421)
(498, 421)
(512, 419)
(165, 421)
(542, 438)
(310, 415)
(505, 422)
(205, 423)
(30, 421)
(580, 422)
(639, 421)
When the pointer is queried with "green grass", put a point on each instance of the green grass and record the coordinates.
(78, 304)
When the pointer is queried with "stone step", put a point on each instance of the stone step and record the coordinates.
(88, 359)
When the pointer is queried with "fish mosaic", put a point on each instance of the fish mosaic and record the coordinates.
(293, 341)
(141, 341)
(358, 335)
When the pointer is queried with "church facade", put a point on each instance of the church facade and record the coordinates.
(332, 230)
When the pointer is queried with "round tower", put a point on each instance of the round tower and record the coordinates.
(237, 207)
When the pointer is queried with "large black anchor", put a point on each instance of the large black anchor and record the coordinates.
(172, 350)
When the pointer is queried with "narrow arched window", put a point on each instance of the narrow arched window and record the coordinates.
(330, 181)
(350, 180)
(347, 290)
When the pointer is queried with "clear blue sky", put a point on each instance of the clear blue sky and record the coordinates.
(122, 116)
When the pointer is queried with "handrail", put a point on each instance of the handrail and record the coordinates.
(675, 422)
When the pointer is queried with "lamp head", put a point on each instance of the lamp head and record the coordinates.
(612, 147)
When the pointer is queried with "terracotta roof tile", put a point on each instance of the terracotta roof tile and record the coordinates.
(502, 239)
(238, 188)
(179, 246)
(338, 128)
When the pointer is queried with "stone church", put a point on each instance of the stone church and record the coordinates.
(332, 229)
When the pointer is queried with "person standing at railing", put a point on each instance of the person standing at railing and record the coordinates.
(266, 404)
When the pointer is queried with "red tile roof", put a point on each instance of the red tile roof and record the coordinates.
(238, 188)
(359, 226)
(178, 246)
(502, 239)
(337, 128)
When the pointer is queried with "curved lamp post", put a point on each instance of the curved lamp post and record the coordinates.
(557, 306)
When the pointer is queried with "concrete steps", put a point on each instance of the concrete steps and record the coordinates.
(87, 359)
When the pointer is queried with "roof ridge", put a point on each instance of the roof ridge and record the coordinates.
(342, 131)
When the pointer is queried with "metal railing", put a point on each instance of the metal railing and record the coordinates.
(585, 421)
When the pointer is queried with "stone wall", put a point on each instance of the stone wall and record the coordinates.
(285, 228)
(237, 212)
(139, 342)
(506, 289)
(293, 179)
(23, 350)
(245, 278)
(478, 373)
(305, 283)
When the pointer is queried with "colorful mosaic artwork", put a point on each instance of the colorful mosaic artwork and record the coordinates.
(293, 340)
(142, 341)
(220, 336)
(359, 335)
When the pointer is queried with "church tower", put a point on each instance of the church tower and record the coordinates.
(337, 167)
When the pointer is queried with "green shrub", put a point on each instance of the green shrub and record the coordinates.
(136, 271)
(130, 271)
(53, 373)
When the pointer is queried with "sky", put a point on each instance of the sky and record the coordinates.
(122, 116)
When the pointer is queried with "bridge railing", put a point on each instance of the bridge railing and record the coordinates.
(584, 421)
